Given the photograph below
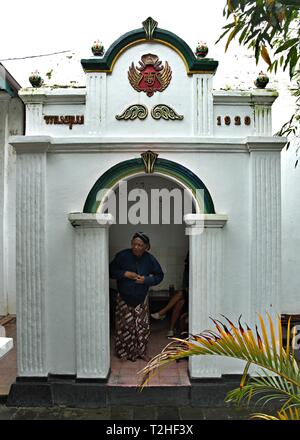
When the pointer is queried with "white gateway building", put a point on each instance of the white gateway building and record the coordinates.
(148, 118)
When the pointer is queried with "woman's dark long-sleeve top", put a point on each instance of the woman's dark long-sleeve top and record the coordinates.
(146, 265)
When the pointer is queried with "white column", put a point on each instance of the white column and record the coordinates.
(263, 120)
(265, 233)
(205, 285)
(92, 294)
(203, 105)
(95, 103)
(31, 264)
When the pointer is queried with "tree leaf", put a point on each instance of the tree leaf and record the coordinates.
(265, 55)
(287, 44)
(293, 60)
(231, 36)
(243, 35)
(257, 49)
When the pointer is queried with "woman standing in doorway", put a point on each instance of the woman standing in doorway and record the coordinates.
(135, 270)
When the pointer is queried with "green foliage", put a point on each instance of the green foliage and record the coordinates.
(279, 376)
(266, 24)
(270, 25)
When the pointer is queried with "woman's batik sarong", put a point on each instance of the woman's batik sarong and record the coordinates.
(132, 329)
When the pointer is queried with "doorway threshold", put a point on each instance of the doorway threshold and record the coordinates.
(124, 373)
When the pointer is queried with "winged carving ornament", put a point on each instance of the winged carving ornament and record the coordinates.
(151, 76)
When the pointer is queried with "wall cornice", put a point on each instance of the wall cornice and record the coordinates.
(246, 97)
(87, 220)
(268, 143)
(62, 95)
(94, 144)
(205, 220)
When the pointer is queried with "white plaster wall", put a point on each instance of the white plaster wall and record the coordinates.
(233, 130)
(283, 109)
(69, 179)
(178, 95)
(3, 136)
(230, 197)
(11, 123)
(16, 126)
(290, 294)
(62, 110)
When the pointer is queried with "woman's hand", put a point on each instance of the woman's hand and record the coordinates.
(131, 275)
(140, 279)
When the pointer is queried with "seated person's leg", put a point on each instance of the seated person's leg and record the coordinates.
(161, 314)
(176, 312)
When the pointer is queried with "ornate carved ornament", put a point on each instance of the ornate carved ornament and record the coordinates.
(151, 76)
(132, 112)
(149, 26)
(166, 112)
(149, 159)
(141, 112)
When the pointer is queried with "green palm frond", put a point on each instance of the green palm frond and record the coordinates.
(266, 388)
(279, 377)
(289, 414)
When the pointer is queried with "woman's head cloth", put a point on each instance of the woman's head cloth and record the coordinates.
(143, 237)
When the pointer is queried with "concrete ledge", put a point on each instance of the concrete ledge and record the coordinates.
(6, 344)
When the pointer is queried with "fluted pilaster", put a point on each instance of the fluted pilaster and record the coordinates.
(95, 102)
(266, 233)
(263, 120)
(203, 124)
(34, 118)
(92, 294)
(31, 264)
(206, 274)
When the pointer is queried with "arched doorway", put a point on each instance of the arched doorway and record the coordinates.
(162, 220)
(92, 257)
(133, 167)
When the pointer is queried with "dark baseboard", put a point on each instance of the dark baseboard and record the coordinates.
(92, 393)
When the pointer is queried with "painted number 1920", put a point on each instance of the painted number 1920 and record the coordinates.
(237, 120)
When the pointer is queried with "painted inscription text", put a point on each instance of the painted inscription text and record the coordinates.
(66, 120)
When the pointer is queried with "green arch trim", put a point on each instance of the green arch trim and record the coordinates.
(138, 36)
(166, 167)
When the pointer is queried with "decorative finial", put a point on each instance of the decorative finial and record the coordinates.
(261, 80)
(149, 159)
(35, 79)
(97, 48)
(201, 50)
(149, 25)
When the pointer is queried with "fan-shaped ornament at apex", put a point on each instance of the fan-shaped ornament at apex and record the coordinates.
(151, 76)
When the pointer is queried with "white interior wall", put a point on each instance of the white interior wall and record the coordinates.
(169, 244)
